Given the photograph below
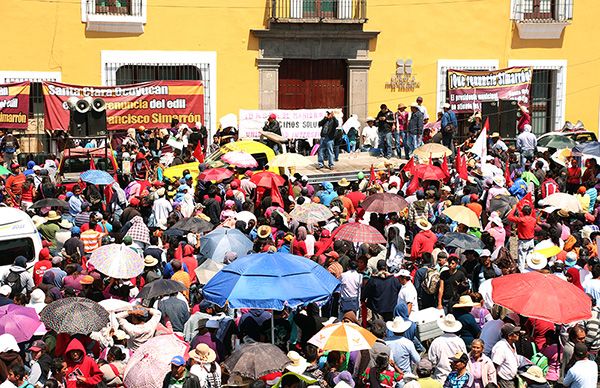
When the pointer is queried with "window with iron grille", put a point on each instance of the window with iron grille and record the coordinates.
(543, 10)
(543, 100)
(124, 74)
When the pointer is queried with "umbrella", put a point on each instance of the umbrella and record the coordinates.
(160, 287)
(591, 148)
(96, 177)
(290, 159)
(173, 232)
(240, 159)
(434, 150)
(529, 177)
(547, 249)
(113, 305)
(429, 172)
(245, 216)
(311, 213)
(150, 363)
(256, 359)
(542, 296)
(270, 281)
(117, 261)
(266, 178)
(345, 337)
(74, 316)
(561, 156)
(19, 321)
(357, 232)
(217, 243)
(461, 240)
(208, 269)
(4, 171)
(50, 202)
(562, 201)
(502, 204)
(384, 203)
(215, 174)
(194, 225)
(463, 215)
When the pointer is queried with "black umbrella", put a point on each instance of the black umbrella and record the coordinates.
(256, 359)
(173, 232)
(194, 225)
(74, 316)
(461, 240)
(50, 202)
(161, 287)
(502, 204)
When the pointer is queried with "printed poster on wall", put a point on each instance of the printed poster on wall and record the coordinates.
(467, 89)
(14, 105)
(150, 104)
(295, 124)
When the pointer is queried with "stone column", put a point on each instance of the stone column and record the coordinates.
(268, 75)
(358, 77)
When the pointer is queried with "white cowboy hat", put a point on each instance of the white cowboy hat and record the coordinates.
(299, 363)
(536, 261)
(499, 180)
(465, 301)
(446, 106)
(423, 224)
(398, 325)
(449, 324)
(534, 373)
(404, 273)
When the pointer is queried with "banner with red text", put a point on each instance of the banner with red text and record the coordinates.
(150, 104)
(467, 89)
(14, 105)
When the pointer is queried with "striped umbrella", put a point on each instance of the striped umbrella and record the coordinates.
(240, 159)
(117, 261)
(358, 232)
(311, 213)
(345, 337)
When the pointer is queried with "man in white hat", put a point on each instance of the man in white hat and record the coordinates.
(408, 292)
(526, 144)
(368, 135)
(446, 346)
(161, 208)
(403, 353)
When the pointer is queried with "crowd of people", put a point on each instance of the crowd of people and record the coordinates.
(476, 343)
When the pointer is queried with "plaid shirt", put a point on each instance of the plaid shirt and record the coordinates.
(138, 230)
(455, 381)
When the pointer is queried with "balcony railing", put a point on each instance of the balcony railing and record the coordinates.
(315, 11)
(115, 7)
(543, 11)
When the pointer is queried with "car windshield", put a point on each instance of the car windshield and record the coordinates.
(72, 165)
(544, 141)
(10, 249)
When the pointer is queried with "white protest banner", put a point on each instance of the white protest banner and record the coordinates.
(295, 124)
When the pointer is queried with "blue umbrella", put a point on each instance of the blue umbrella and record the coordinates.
(217, 243)
(96, 177)
(591, 148)
(270, 281)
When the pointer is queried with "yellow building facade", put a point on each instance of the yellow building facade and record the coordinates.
(249, 51)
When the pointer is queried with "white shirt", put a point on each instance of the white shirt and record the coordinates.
(584, 374)
(490, 335)
(370, 136)
(203, 374)
(161, 209)
(424, 111)
(592, 287)
(440, 351)
(505, 357)
(351, 283)
(408, 294)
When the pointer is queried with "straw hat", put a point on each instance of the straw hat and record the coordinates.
(343, 182)
(150, 261)
(534, 373)
(423, 224)
(449, 324)
(37, 220)
(52, 216)
(203, 353)
(264, 231)
(87, 280)
(465, 301)
(299, 363)
(536, 260)
(65, 224)
(495, 135)
(398, 325)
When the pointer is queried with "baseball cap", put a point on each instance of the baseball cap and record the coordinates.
(178, 360)
(460, 356)
(56, 260)
(509, 328)
(37, 346)
(404, 273)
(485, 253)
(425, 364)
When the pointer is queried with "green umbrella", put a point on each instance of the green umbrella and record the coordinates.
(4, 171)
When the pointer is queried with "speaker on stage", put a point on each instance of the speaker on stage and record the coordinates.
(508, 118)
(78, 123)
(97, 118)
(489, 110)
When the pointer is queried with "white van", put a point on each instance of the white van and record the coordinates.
(18, 237)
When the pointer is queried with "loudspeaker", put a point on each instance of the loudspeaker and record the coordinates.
(98, 105)
(78, 124)
(96, 122)
(508, 118)
(489, 110)
(84, 105)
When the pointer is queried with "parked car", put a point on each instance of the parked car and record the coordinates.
(566, 139)
(74, 161)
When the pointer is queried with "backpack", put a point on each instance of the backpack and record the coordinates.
(539, 359)
(13, 279)
(431, 282)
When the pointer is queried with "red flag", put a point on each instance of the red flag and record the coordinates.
(445, 168)
(290, 189)
(413, 186)
(409, 166)
(92, 164)
(460, 165)
(372, 176)
(526, 200)
(276, 194)
(486, 125)
(507, 175)
(198, 154)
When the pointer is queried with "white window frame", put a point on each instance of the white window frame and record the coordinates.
(10, 76)
(173, 58)
(114, 23)
(461, 64)
(560, 65)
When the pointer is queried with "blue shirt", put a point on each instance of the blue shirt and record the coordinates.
(403, 352)
(449, 118)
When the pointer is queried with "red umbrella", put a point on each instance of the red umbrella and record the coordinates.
(266, 178)
(384, 203)
(215, 174)
(542, 296)
(429, 172)
(357, 232)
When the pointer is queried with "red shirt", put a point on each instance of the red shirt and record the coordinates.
(86, 226)
(525, 225)
(549, 187)
(39, 269)
(424, 242)
(523, 120)
(356, 197)
(298, 248)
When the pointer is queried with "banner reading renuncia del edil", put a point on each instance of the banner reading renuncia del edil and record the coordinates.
(14, 105)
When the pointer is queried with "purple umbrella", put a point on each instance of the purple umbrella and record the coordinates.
(19, 321)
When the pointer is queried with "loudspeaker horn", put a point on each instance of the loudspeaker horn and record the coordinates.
(72, 102)
(84, 105)
(98, 105)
